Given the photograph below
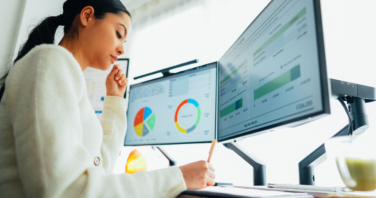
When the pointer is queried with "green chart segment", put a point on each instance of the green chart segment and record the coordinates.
(144, 121)
(232, 107)
(278, 82)
(233, 72)
(281, 31)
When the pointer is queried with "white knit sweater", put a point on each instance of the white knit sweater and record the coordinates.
(51, 141)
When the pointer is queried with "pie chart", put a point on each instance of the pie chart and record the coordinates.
(144, 121)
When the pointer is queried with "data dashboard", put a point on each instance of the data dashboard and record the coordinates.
(173, 110)
(271, 74)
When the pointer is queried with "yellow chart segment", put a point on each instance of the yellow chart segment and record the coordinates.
(139, 129)
(180, 129)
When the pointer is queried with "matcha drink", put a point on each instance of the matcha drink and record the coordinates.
(363, 172)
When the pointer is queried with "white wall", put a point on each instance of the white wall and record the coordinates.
(35, 12)
(18, 18)
(10, 19)
(24, 15)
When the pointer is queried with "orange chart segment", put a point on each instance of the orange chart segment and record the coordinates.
(178, 109)
(139, 117)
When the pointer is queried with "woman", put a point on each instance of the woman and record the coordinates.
(51, 143)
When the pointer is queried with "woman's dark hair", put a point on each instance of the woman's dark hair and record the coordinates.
(44, 33)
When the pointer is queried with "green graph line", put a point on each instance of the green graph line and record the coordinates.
(281, 31)
(278, 82)
(234, 71)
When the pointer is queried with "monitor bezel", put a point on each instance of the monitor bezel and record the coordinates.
(173, 74)
(325, 89)
(126, 74)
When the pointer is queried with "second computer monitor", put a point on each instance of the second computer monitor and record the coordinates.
(275, 73)
(177, 109)
(96, 84)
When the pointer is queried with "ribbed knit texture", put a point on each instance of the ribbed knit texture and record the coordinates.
(50, 136)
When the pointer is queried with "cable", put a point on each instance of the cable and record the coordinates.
(348, 114)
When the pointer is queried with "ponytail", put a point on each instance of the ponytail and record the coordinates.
(44, 33)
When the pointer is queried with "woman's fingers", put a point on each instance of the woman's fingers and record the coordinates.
(118, 74)
(210, 181)
(125, 82)
(114, 70)
(211, 167)
(122, 79)
(198, 175)
(211, 174)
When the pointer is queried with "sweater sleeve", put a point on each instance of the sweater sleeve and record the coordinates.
(43, 103)
(114, 127)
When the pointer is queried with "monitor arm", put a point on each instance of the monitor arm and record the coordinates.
(356, 96)
(259, 169)
(171, 161)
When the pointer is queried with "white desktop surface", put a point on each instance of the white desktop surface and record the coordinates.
(263, 191)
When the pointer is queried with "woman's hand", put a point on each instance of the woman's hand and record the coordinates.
(198, 175)
(116, 82)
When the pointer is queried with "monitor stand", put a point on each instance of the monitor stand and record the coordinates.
(308, 164)
(356, 96)
(259, 169)
(171, 161)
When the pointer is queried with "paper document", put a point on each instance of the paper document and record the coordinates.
(242, 192)
(303, 187)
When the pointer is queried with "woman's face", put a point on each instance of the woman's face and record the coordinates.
(104, 39)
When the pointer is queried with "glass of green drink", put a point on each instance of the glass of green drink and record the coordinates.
(355, 160)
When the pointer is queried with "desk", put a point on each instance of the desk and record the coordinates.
(187, 194)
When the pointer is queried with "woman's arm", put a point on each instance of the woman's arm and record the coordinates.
(114, 125)
(43, 98)
(113, 121)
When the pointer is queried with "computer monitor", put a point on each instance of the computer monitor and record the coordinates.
(274, 75)
(177, 109)
(96, 84)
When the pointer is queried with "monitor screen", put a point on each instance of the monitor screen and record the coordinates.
(275, 72)
(96, 84)
(176, 109)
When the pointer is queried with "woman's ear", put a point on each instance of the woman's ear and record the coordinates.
(87, 15)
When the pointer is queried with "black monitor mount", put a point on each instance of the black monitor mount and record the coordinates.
(356, 96)
(171, 161)
(259, 169)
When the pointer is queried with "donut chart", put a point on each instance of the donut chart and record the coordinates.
(190, 129)
(144, 121)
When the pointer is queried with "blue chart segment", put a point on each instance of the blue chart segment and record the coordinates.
(147, 112)
(194, 102)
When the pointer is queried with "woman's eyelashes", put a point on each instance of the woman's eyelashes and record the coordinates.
(118, 35)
